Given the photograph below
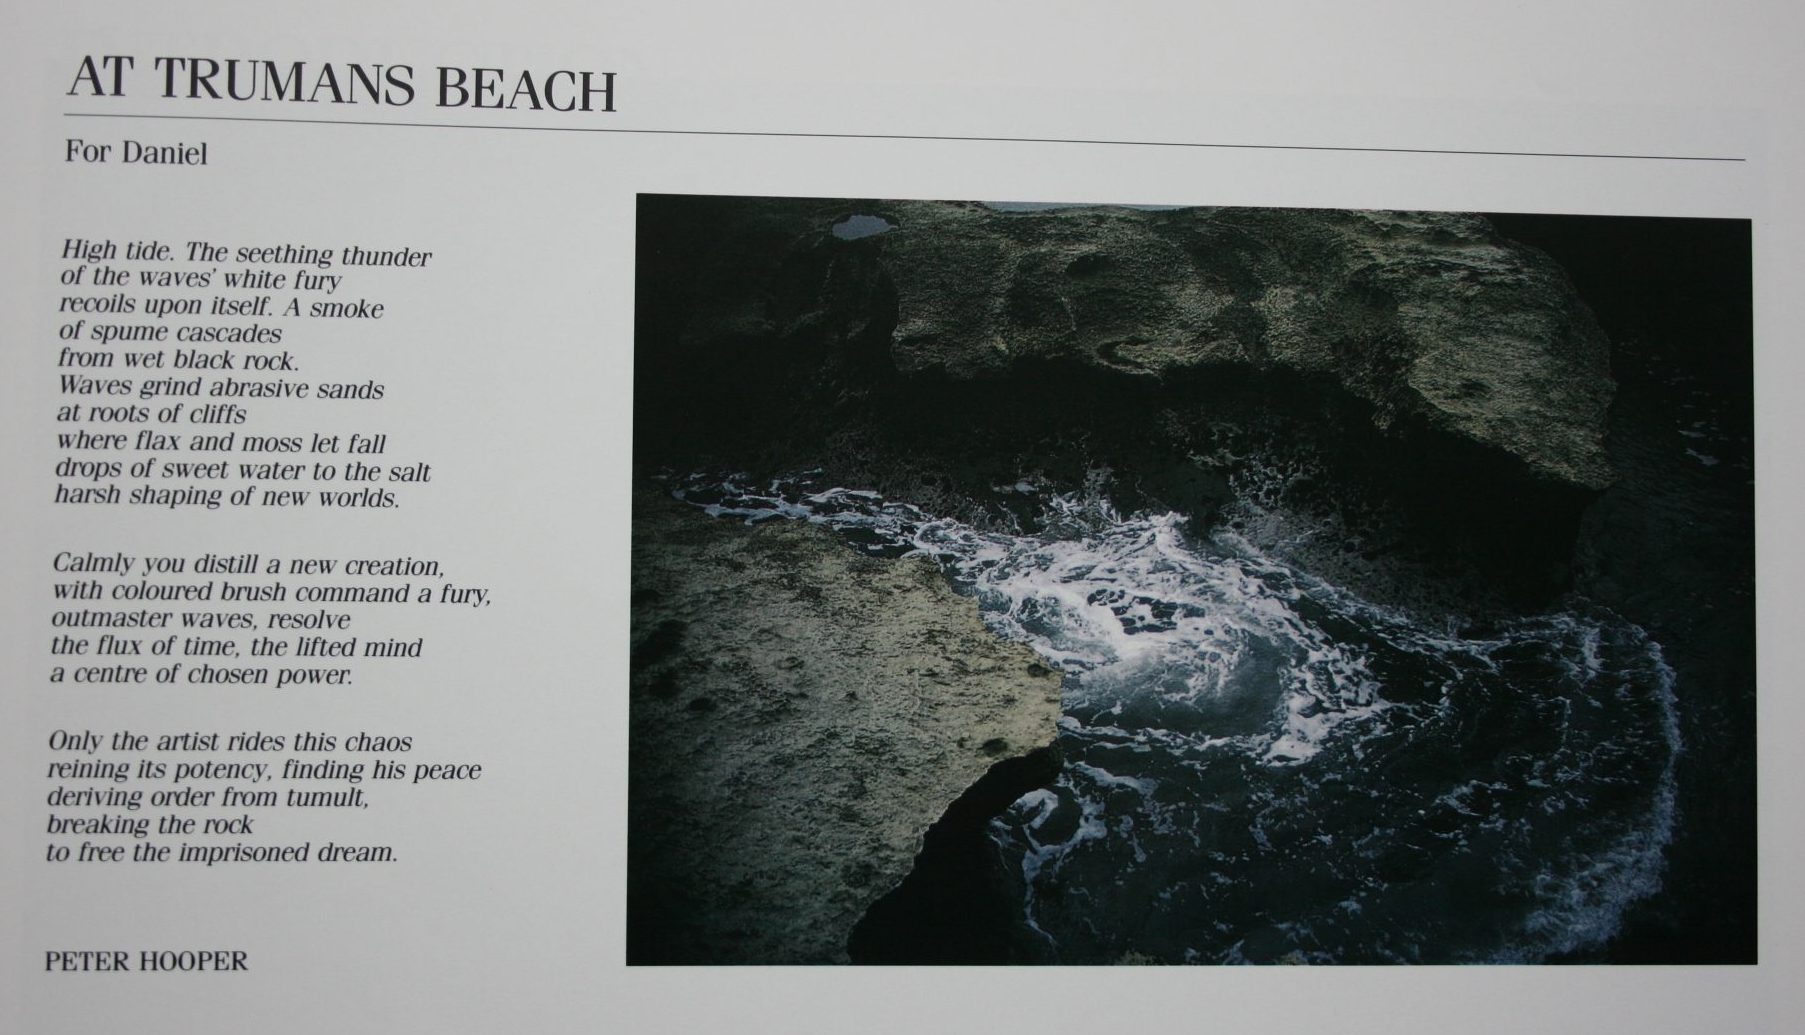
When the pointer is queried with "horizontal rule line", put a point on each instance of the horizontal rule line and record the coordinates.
(910, 136)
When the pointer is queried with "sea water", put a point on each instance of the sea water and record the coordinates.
(1261, 766)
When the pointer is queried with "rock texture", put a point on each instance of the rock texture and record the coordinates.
(801, 715)
(1430, 318)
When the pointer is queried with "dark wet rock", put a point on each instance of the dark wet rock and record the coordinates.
(1433, 321)
(961, 902)
(1407, 403)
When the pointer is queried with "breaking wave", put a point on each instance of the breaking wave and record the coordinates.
(1264, 767)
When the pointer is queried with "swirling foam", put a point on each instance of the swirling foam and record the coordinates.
(1262, 765)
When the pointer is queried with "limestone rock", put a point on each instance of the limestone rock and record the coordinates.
(1432, 318)
(801, 714)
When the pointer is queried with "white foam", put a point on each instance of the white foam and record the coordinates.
(1201, 652)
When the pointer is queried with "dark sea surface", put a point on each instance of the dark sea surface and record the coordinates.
(1261, 766)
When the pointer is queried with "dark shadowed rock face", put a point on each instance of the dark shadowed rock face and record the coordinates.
(1430, 320)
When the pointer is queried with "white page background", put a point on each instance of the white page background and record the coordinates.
(509, 366)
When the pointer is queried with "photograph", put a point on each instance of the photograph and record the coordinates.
(1100, 584)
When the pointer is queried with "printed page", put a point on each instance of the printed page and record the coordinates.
(563, 520)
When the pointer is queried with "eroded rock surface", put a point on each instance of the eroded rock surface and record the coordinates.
(1431, 318)
(801, 715)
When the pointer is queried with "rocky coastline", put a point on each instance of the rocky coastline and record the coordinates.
(801, 716)
(1417, 407)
